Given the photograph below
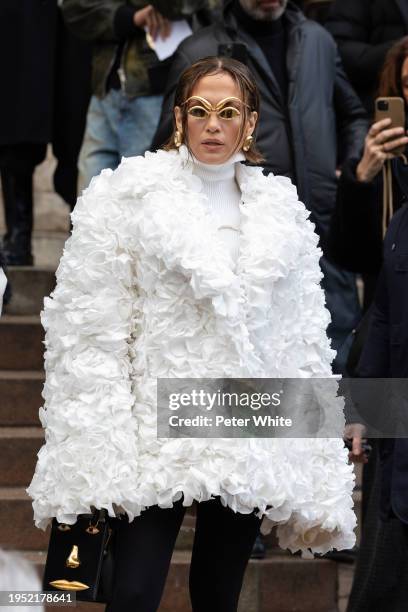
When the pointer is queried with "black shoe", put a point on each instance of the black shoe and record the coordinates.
(259, 550)
(18, 208)
(342, 556)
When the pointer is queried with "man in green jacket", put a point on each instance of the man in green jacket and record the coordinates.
(127, 78)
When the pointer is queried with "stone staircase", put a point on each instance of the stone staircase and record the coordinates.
(279, 583)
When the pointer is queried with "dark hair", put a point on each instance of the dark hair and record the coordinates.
(390, 78)
(215, 65)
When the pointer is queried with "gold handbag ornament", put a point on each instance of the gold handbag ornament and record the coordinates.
(80, 557)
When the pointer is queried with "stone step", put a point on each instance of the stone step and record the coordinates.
(47, 248)
(20, 394)
(29, 287)
(18, 454)
(345, 574)
(21, 340)
(17, 529)
(279, 583)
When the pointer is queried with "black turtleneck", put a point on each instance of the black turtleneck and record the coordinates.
(271, 38)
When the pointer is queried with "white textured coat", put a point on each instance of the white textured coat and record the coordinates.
(3, 285)
(145, 290)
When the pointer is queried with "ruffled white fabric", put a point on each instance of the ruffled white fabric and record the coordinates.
(145, 290)
(3, 285)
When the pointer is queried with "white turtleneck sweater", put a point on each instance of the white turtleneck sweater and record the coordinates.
(223, 197)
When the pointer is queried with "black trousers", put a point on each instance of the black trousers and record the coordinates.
(143, 548)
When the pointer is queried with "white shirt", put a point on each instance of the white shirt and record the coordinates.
(224, 197)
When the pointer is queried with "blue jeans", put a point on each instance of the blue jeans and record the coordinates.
(117, 126)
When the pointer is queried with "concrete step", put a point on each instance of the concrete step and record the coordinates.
(29, 287)
(21, 340)
(17, 530)
(345, 573)
(18, 454)
(47, 248)
(51, 214)
(20, 394)
(279, 583)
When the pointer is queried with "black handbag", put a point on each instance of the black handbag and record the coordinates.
(80, 557)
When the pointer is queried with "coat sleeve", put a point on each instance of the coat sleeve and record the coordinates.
(352, 119)
(312, 315)
(354, 240)
(303, 329)
(375, 358)
(374, 361)
(92, 20)
(350, 22)
(99, 20)
(88, 322)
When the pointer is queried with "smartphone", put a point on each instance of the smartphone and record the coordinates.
(237, 51)
(394, 109)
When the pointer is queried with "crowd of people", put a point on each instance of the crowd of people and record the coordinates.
(97, 91)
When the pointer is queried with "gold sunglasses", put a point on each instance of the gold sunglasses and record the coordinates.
(223, 109)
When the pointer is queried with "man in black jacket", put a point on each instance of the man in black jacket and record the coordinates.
(365, 30)
(46, 88)
(384, 551)
(309, 112)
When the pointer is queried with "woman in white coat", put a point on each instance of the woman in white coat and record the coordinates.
(187, 263)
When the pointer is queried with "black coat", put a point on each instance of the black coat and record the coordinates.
(298, 139)
(27, 50)
(46, 84)
(355, 240)
(385, 355)
(364, 31)
(386, 351)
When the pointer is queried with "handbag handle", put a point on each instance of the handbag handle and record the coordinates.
(93, 528)
(99, 514)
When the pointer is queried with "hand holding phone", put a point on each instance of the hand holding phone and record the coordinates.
(386, 138)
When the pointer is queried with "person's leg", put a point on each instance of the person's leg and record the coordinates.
(222, 547)
(140, 117)
(17, 164)
(143, 550)
(100, 147)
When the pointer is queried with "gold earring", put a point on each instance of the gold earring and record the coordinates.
(248, 143)
(178, 139)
